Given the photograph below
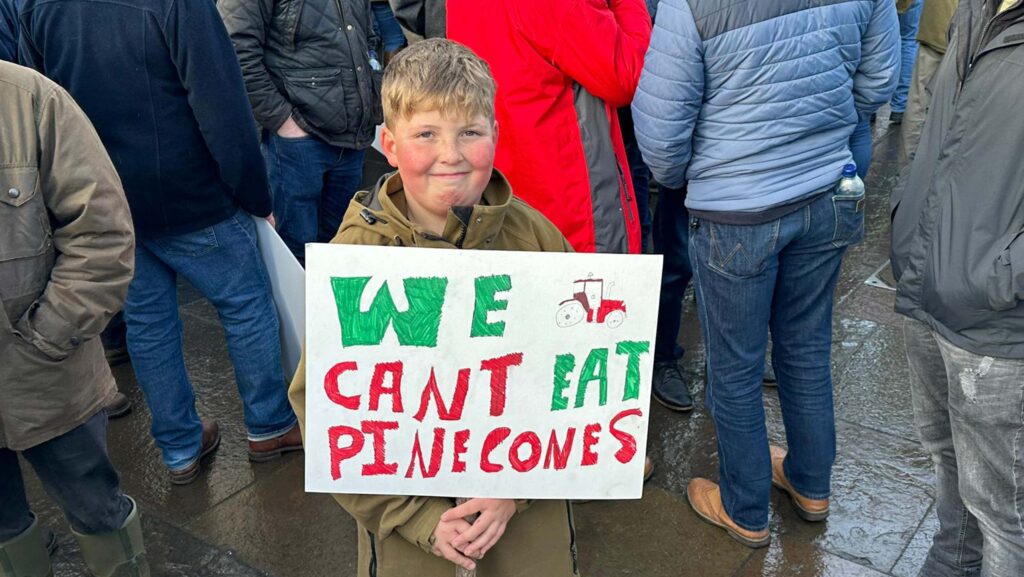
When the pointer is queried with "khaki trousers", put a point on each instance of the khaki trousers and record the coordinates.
(918, 99)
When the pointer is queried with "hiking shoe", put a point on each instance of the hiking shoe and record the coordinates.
(211, 440)
(811, 510)
(670, 389)
(118, 406)
(706, 499)
(896, 118)
(260, 451)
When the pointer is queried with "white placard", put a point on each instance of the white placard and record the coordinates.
(478, 373)
(288, 284)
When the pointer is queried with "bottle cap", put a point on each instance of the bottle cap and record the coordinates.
(850, 170)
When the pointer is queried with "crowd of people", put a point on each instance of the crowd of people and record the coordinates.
(138, 140)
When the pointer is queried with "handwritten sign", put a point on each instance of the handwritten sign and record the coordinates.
(478, 373)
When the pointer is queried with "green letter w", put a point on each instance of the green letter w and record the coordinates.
(416, 327)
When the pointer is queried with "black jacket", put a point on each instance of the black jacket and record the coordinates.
(428, 18)
(161, 84)
(958, 228)
(309, 59)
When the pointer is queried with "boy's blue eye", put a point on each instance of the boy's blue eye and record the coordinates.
(471, 133)
(425, 134)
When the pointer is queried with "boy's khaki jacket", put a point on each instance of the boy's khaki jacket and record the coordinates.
(394, 531)
(66, 258)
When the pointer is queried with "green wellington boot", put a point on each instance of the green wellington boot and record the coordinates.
(26, 554)
(117, 553)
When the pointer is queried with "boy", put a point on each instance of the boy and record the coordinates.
(440, 134)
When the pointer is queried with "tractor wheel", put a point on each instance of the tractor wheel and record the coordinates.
(570, 314)
(614, 319)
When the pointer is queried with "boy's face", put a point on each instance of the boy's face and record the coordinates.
(444, 162)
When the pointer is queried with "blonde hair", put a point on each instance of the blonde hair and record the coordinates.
(441, 75)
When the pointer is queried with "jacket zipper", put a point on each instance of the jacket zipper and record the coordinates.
(462, 236)
(373, 555)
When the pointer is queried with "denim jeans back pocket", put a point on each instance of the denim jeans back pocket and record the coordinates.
(736, 250)
(849, 213)
(197, 243)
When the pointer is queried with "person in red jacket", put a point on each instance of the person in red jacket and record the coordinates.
(563, 67)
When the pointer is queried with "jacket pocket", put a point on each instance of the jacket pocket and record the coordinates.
(849, 214)
(26, 244)
(319, 96)
(1006, 284)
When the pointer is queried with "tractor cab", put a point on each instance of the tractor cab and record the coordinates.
(590, 292)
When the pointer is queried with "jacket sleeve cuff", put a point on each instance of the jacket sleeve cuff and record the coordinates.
(48, 331)
(419, 529)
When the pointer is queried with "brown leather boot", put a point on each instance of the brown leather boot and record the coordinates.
(706, 499)
(211, 440)
(260, 451)
(812, 510)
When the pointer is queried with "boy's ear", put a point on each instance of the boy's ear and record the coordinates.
(495, 132)
(387, 145)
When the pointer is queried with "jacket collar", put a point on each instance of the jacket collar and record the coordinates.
(466, 227)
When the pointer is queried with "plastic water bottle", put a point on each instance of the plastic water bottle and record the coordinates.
(374, 63)
(850, 184)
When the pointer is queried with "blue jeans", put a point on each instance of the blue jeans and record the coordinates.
(909, 21)
(969, 411)
(780, 275)
(861, 146)
(312, 183)
(391, 36)
(223, 262)
(76, 473)
(671, 239)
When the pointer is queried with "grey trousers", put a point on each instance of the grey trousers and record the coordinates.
(918, 99)
(969, 411)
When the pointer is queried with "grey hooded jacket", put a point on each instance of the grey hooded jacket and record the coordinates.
(958, 218)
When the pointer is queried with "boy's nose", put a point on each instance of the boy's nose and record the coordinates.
(450, 152)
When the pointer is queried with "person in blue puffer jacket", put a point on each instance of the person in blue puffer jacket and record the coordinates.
(751, 105)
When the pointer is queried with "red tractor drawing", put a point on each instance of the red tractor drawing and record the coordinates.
(588, 302)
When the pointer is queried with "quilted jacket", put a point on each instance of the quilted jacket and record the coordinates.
(308, 59)
(753, 103)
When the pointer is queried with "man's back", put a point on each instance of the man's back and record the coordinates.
(754, 102)
(160, 82)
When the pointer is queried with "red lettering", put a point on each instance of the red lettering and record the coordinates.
(589, 440)
(339, 454)
(559, 456)
(377, 387)
(435, 455)
(494, 438)
(378, 466)
(625, 454)
(499, 379)
(333, 388)
(461, 437)
(527, 464)
(452, 413)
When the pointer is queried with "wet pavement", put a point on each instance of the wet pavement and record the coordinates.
(243, 519)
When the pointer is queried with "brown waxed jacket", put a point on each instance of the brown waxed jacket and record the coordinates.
(66, 258)
(394, 531)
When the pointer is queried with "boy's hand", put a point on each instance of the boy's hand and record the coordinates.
(441, 542)
(486, 529)
(270, 219)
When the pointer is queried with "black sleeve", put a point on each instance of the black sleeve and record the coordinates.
(209, 70)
